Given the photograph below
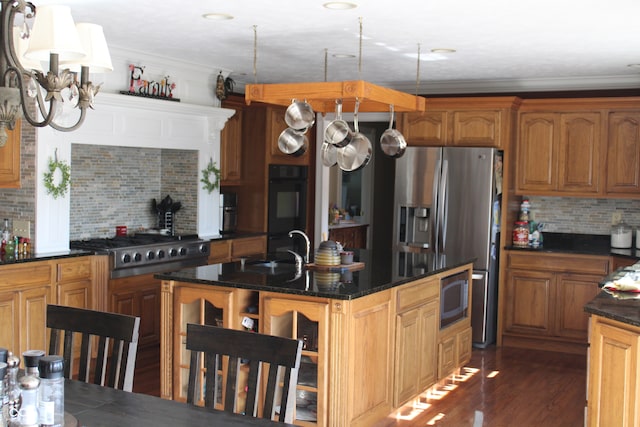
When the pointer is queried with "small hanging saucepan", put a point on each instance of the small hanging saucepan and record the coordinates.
(292, 142)
(300, 116)
(392, 142)
(338, 132)
(329, 154)
(357, 154)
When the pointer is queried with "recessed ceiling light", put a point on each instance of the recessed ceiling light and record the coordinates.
(442, 50)
(340, 5)
(217, 16)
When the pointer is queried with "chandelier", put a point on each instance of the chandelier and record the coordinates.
(69, 50)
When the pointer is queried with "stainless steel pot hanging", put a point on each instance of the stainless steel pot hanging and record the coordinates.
(357, 153)
(293, 142)
(391, 141)
(300, 116)
(338, 132)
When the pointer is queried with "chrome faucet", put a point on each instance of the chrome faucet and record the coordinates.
(306, 238)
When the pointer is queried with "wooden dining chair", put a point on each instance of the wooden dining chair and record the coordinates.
(238, 350)
(116, 336)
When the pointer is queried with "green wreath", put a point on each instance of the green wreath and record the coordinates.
(60, 189)
(206, 177)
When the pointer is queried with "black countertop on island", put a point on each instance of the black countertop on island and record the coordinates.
(622, 310)
(282, 277)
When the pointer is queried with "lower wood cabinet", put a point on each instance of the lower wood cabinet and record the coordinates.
(416, 349)
(613, 386)
(544, 300)
(138, 296)
(27, 288)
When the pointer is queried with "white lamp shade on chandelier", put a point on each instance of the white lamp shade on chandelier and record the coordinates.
(97, 55)
(54, 32)
(21, 45)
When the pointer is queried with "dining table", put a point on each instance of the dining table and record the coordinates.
(91, 405)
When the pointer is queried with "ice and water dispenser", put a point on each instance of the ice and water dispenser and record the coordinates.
(413, 227)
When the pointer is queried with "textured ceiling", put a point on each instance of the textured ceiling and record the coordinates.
(539, 45)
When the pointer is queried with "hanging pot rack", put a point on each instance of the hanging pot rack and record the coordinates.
(322, 96)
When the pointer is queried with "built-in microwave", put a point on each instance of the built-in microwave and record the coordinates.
(287, 205)
(454, 299)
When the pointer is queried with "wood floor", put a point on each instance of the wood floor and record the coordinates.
(500, 387)
(507, 387)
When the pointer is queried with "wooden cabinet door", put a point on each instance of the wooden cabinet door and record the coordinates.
(219, 252)
(623, 153)
(580, 153)
(428, 128)
(231, 149)
(33, 314)
(537, 163)
(477, 129)
(530, 302)
(9, 313)
(248, 246)
(612, 395)
(428, 350)
(573, 293)
(10, 159)
(407, 356)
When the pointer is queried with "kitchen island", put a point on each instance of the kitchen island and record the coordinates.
(372, 340)
(613, 392)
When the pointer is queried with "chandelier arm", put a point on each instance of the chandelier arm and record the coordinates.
(83, 113)
(48, 115)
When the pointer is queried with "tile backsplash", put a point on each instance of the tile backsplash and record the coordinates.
(582, 216)
(115, 186)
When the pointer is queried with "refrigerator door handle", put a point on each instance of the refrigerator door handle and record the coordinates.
(443, 197)
(433, 217)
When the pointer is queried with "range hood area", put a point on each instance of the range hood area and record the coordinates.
(124, 121)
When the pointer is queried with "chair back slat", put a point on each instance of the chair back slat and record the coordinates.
(239, 348)
(112, 363)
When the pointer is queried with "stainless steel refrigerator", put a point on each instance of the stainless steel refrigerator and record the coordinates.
(447, 206)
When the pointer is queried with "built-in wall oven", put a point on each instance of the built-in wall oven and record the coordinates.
(287, 207)
(454, 298)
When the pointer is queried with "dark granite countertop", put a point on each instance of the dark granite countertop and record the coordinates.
(622, 310)
(10, 260)
(236, 235)
(585, 244)
(344, 284)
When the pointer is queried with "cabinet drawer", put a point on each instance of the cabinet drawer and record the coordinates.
(74, 270)
(219, 251)
(248, 246)
(417, 294)
(31, 273)
(544, 262)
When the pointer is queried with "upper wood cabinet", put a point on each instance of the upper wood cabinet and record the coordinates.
(560, 152)
(579, 147)
(463, 122)
(623, 153)
(10, 159)
(231, 144)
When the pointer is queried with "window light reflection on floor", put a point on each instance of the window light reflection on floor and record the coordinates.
(435, 393)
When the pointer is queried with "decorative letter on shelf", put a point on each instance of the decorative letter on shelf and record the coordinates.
(162, 89)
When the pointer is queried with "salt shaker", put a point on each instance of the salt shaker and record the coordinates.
(28, 414)
(51, 405)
